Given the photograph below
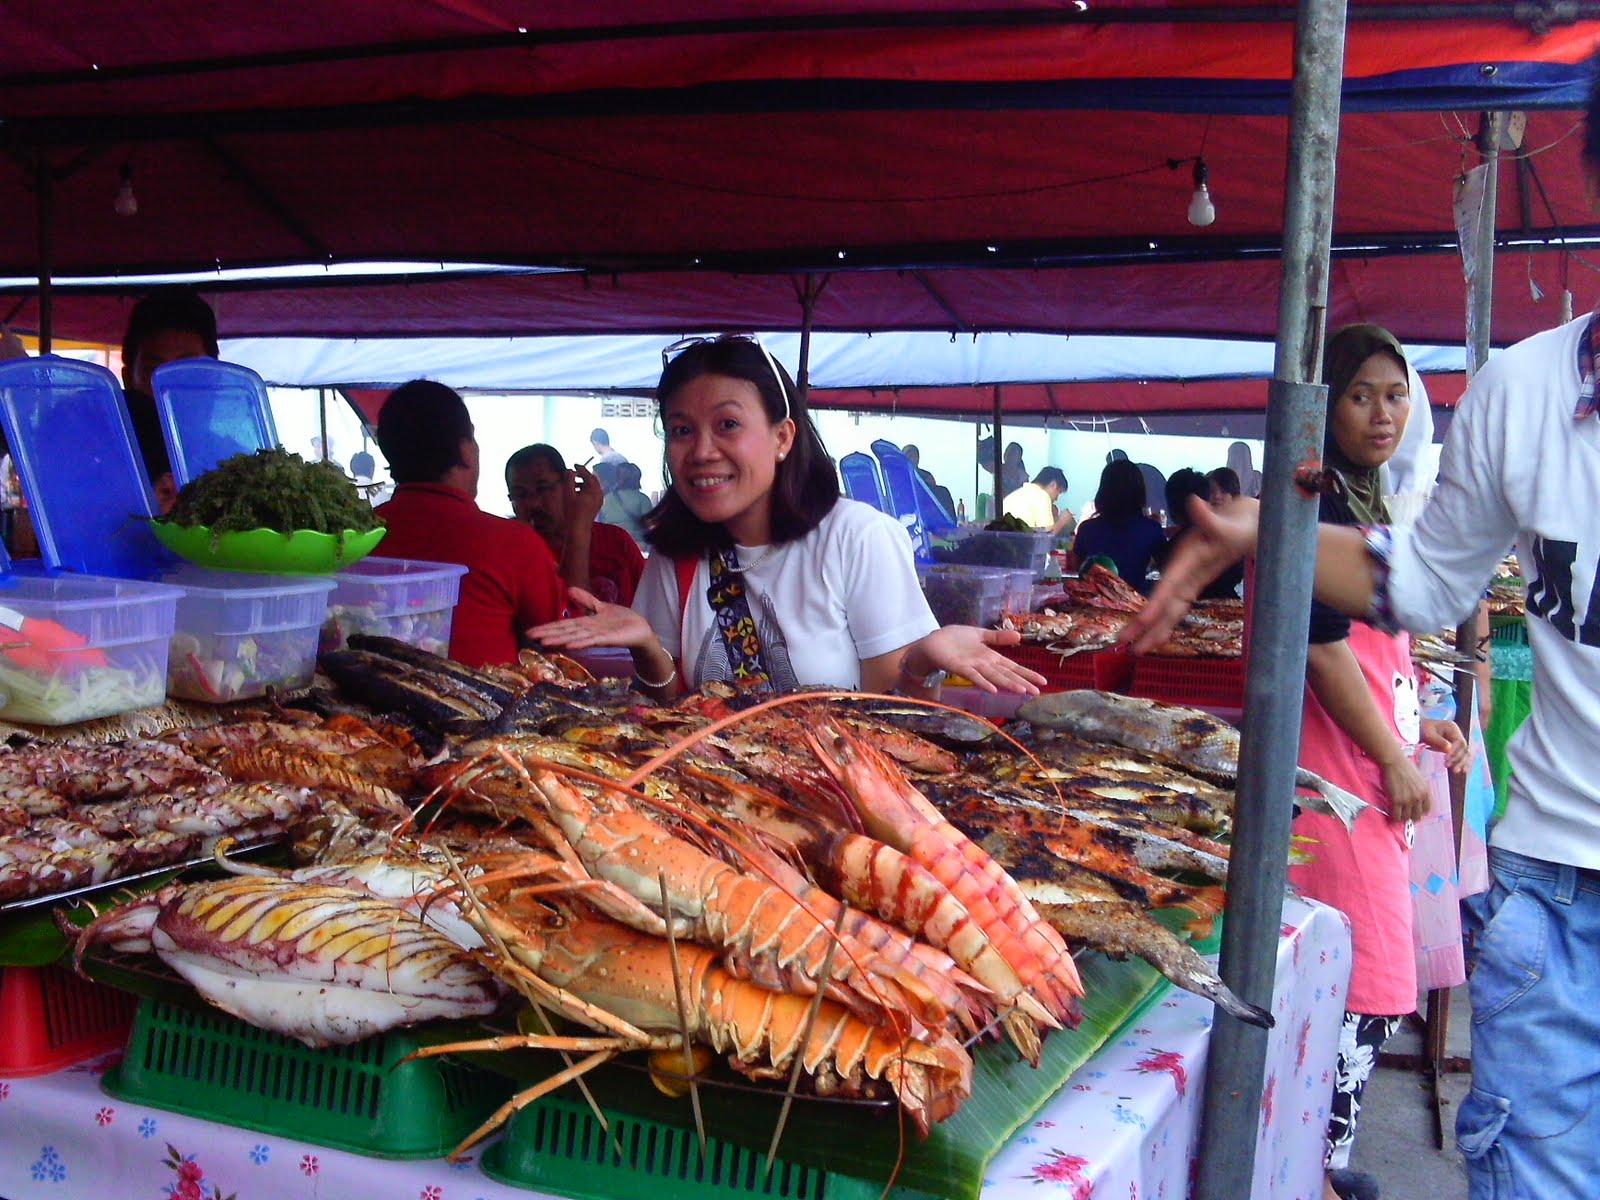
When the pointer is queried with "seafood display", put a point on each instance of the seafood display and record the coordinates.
(857, 888)
(324, 964)
(1187, 737)
(1092, 609)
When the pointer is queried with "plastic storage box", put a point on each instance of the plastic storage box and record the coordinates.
(988, 548)
(406, 599)
(239, 635)
(960, 595)
(363, 1097)
(76, 647)
(53, 1019)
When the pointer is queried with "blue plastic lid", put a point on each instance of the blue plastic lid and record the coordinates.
(80, 467)
(210, 411)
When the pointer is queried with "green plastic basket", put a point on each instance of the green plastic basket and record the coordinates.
(360, 1097)
(558, 1145)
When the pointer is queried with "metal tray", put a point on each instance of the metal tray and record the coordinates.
(90, 890)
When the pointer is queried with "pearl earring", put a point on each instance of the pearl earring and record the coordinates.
(780, 458)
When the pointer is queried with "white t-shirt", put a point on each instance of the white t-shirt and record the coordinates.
(845, 592)
(1516, 466)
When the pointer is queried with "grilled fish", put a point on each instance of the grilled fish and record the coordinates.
(1193, 739)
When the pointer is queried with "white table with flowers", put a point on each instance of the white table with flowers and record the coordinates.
(1125, 1127)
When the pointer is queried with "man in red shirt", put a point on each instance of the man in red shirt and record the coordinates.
(512, 582)
(562, 505)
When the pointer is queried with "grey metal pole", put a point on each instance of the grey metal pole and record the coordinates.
(998, 457)
(1480, 302)
(1275, 672)
(808, 312)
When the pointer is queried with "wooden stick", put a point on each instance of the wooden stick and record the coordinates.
(805, 1039)
(683, 1017)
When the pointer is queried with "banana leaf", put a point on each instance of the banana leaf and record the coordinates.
(867, 1141)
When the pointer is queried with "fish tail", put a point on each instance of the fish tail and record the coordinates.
(1334, 800)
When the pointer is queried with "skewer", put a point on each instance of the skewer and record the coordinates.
(683, 1016)
(805, 1040)
(505, 953)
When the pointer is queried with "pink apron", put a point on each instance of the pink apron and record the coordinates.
(1365, 873)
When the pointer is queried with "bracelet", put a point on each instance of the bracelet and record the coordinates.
(663, 683)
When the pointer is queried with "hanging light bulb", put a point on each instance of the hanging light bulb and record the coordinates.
(126, 204)
(1201, 210)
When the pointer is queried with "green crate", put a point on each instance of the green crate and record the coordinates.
(558, 1145)
(359, 1097)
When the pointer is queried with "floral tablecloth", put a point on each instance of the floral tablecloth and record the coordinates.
(1124, 1128)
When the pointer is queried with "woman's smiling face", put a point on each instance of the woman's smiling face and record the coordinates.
(724, 451)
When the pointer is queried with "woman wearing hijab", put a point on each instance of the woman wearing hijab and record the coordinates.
(1362, 727)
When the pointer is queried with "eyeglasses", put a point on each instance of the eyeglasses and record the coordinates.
(683, 344)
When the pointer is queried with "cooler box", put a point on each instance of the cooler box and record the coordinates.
(76, 647)
(406, 599)
(961, 595)
(238, 636)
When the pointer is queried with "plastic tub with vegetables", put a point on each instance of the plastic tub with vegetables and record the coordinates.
(76, 647)
(401, 598)
(239, 636)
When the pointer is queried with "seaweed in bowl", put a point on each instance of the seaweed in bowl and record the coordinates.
(274, 489)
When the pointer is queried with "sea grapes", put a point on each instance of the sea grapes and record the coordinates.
(274, 489)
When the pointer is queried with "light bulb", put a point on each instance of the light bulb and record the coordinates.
(126, 204)
(1201, 210)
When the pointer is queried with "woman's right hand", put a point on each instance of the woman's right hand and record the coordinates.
(1409, 799)
(600, 624)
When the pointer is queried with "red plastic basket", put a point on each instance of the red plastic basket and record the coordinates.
(1195, 682)
(52, 1018)
(1104, 670)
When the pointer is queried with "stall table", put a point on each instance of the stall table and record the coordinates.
(1124, 1126)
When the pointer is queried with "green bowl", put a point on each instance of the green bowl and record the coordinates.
(266, 551)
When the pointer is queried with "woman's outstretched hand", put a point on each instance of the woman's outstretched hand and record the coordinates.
(597, 624)
(1446, 737)
(968, 651)
(1213, 543)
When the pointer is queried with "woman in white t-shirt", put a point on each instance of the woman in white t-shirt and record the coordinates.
(762, 572)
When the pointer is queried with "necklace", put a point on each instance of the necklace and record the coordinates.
(736, 565)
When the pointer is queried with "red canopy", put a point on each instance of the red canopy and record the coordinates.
(691, 159)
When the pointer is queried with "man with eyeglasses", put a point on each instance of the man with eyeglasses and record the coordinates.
(562, 505)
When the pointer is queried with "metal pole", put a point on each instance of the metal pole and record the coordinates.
(1480, 302)
(998, 455)
(1275, 670)
(808, 312)
(322, 419)
(45, 182)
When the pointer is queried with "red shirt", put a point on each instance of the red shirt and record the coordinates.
(614, 557)
(512, 579)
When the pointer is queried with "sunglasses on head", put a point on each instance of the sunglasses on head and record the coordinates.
(682, 344)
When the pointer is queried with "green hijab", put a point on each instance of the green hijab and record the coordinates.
(1345, 353)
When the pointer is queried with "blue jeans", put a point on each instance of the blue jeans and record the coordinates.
(1530, 1127)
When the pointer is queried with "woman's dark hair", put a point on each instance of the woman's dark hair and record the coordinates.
(806, 484)
(1121, 492)
(538, 452)
(420, 430)
(1226, 479)
(1182, 484)
(629, 476)
(362, 463)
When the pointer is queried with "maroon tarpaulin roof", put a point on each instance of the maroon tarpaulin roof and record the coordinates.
(686, 149)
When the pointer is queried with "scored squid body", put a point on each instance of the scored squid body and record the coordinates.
(326, 965)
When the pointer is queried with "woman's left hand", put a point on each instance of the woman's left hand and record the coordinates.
(1445, 737)
(967, 651)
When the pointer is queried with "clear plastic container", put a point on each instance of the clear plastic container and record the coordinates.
(239, 635)
(76, 647)
(960, 595)
(1019, 590)
(406, 599)
(988, 548)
